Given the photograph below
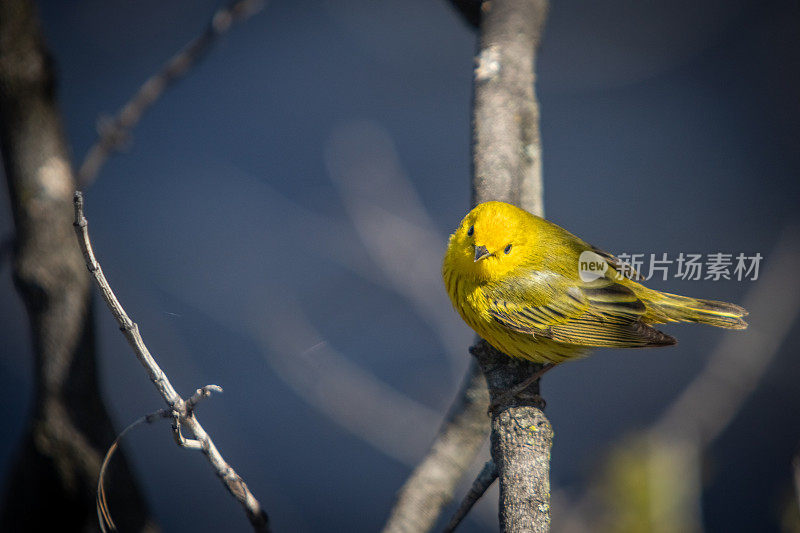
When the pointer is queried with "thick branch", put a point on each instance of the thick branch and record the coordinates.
(430, 487)
(521, 442)
(51, 485)
(507, 156)
(182, 409)
(115, 132)
(508, 166)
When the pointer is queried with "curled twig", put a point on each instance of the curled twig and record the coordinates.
(103, 512)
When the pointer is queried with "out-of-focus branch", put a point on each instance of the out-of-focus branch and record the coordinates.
(487, 476)
(348, 394)
(114, 132)
(52, 481)
(711, 401)
(394, 226)
(666, 459)
(182, 409)
(430, 487)
(796, 477)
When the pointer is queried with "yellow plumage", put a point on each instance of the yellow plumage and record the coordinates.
(514, 278)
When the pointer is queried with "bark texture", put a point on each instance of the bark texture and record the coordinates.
(507, 166)
(521, 441)
(507, 150)
(52, 483)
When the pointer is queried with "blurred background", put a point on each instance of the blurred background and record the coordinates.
(277, 221)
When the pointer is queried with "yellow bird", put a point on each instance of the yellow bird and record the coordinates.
(534, 290)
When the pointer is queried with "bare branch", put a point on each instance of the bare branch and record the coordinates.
(521, 440)
(485, 478)
(68, 428)
(507, 152)
(232, 481)
(115, 132)
(430, 487)
(507, 166)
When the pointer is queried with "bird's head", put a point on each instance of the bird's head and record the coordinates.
(494, 239)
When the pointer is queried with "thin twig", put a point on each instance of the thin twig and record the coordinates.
(115, 132)
(485, 478)
(183, 414)
(201, 394)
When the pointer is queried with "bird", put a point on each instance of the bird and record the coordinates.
(537, 292)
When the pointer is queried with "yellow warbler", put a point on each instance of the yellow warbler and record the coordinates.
(535, 291)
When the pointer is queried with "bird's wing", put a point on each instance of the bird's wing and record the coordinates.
(597, 313)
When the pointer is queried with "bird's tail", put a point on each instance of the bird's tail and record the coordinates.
(677, 308)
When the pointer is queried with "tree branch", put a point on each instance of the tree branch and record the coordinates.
(430, 486)
(521, 440)
(115, 132)
(52, 481)
(182, 409)
(507, 152)
(481, 484)
(507, 166)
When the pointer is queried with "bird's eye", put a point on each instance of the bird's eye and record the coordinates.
(508, 249)
(471, 230)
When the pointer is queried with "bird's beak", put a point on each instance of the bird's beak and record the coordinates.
(480, 253)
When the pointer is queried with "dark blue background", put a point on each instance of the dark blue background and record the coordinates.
(667, 127)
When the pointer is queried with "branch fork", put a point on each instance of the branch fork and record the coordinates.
(182, 411)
